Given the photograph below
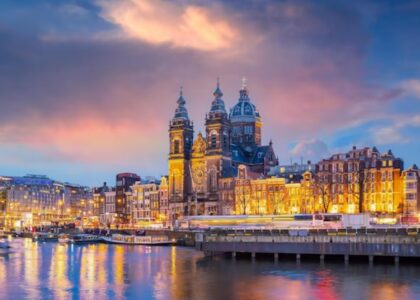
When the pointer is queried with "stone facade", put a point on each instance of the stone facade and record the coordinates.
(196, 167)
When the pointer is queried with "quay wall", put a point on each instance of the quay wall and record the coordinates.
(360, 245)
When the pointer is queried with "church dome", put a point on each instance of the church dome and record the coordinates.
(244, 110)
(181, 112)
(218, 105)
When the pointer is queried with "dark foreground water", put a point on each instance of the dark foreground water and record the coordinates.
(54, 271)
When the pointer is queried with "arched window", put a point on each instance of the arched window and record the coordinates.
(213, 180)
(213, 139)
(225, 140)
(176, 147)
(176, 182)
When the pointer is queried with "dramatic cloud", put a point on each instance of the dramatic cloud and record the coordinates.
(159, 22)
(94, 84)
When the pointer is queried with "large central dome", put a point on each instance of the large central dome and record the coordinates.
(244, 110)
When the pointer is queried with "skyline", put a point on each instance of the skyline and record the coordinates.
(86, 93)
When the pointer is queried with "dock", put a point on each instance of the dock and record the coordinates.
(396, 243)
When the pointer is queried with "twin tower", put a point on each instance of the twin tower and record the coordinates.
(195, 166)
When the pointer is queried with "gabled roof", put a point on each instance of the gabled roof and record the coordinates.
(237, 154)
(260, 154)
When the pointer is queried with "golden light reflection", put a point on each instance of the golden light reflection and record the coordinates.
(101, 258)
(87, 272)
(389, 291)
(32, 263)
(118, 266)
(173, 271)
(58, 280)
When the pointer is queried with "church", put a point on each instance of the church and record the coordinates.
(195, 166)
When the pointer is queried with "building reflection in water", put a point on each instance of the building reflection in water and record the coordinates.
(51, 270)
(32, 262)
(58, 280)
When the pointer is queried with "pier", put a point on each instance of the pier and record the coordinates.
(370, 243)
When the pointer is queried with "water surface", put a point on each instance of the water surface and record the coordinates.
(54, 271)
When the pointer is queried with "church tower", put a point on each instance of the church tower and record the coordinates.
(180, 140)
(218, 149)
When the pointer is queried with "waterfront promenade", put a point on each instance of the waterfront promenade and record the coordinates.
(396, 243)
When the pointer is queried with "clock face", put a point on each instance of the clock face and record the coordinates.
(198, 175)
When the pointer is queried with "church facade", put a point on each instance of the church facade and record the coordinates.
(197, 166)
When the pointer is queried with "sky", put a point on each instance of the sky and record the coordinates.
(87, 88)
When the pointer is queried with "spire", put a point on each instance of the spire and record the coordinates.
(181, 100)
(217, 92)
(218, 105)
(244, 91)
(181, 111)
(243, 83)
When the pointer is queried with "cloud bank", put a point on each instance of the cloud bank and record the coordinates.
(91, 86)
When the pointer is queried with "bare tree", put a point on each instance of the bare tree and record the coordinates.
(277, 198)
(322, 192)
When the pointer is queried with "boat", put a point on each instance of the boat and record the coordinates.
(45, 237)
(5, 248)
(148, 240)
(84, 239)
(64, 238)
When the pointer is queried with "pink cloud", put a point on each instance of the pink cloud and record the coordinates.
(160, 22)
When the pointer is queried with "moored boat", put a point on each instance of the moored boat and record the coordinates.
(63, 238)
(85, 239)
(149, 240)
(5, 248)
(45, 237)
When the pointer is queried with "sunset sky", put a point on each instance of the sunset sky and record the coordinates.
(87, 88)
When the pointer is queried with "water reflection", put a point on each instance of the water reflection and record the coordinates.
(54, 271)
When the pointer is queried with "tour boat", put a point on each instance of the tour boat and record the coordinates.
(149, 240)
(5, 248)
(45, 237)
(63, 238)
(85, 239)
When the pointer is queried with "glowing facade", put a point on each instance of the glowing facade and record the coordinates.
(196, 167)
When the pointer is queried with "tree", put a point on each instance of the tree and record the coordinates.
(276, 198)
(322, 192)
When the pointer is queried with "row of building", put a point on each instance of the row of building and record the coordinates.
(228, 171)
(361, 180)
(225, 171)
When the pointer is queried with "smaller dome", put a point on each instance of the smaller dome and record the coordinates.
(181, 112)
(244, 110)
(218, 105)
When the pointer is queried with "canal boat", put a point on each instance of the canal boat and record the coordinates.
(85, 239)
(45, 237)
(5, 248)
(64, 238)
(148, 240)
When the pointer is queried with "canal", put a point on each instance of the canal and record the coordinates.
(54, 271)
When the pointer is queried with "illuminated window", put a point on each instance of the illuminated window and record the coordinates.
(213, 141)
(176, 146)
(248, 130)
